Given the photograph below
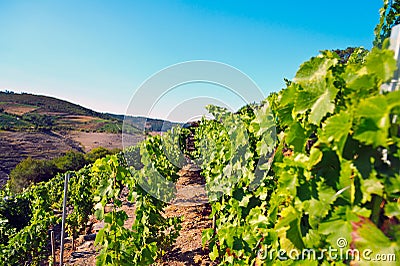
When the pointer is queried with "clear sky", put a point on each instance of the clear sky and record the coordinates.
(97, 53)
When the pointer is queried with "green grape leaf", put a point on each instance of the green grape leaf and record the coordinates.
(331, 133)
(108, 218)
(289, 229)
(392, 209)
(369, 187)
(226, 234)
(207, 234)
(318, 209)
(214, 254)
(256, 216)
(289, 182)
(336, 229)
(339, 226)
(245, 200)
(286, 104)
(263, 120)
(326, 194)
(99, 237)
(315, 157)
(313, 70)
(359, 80)
(323, 105)
(148, 254)
(296, 136)
(393, 186)
(374, 122)
(346, 181)
(317, 91)
(381, 63)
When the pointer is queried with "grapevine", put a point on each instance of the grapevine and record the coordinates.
(335, 174)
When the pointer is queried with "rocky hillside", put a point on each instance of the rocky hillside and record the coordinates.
(44, 127)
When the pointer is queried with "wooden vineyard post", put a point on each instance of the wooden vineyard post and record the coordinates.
(67, 176)
(53, 247)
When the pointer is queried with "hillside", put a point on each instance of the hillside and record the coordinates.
(21, 112)
(44, 127)
(44, 104)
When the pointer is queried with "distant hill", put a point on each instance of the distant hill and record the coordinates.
(24, 111)
(45, 104)
(44, 127)
(150, 124)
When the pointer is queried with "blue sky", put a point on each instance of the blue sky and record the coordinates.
(97, 53)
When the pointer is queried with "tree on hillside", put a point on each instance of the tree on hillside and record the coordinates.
(99, 152)
(71, 161)
(40, 121)
(30, 171)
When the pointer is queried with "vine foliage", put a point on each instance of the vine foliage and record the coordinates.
(336, 171)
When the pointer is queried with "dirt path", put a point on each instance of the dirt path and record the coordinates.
(190, 202)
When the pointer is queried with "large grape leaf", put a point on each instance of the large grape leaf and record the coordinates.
(314, 70)
(323, 105)
(319, 208)
(381, 63)
(317, 91)
(374, 118)
(330, 132)
(296, 136)
(288, 228)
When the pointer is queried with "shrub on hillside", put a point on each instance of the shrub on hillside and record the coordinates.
(71, 161)
(31, 171)
(98, 153)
